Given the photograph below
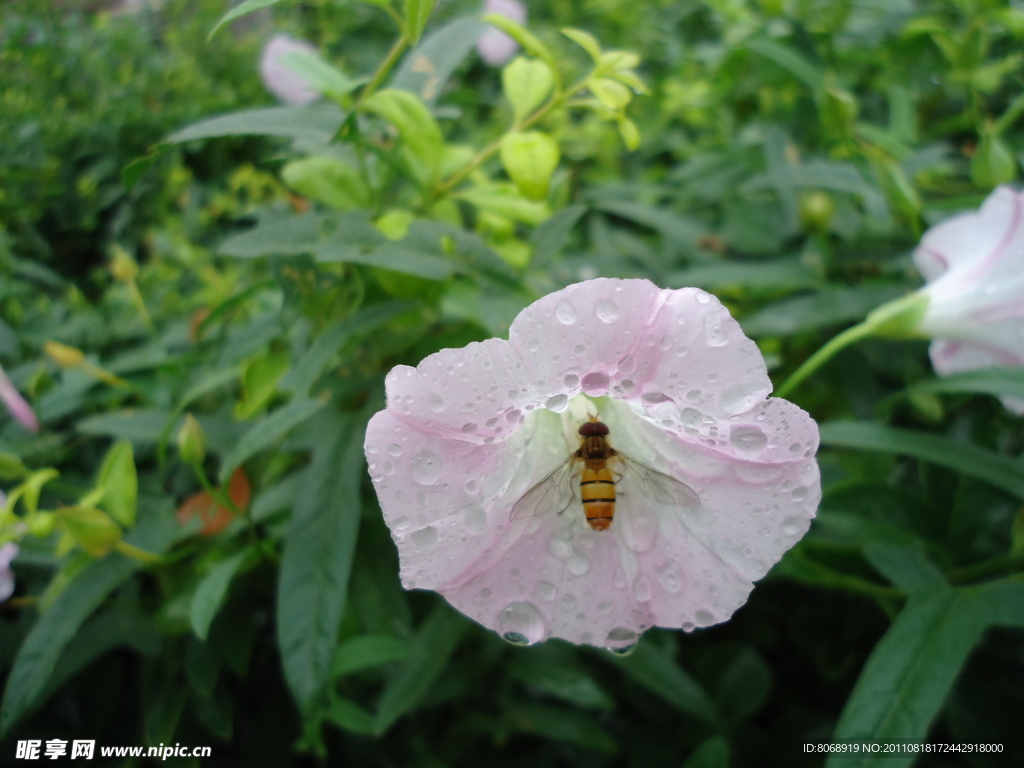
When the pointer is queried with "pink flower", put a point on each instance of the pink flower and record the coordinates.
(494, 46)
(7, 553)
(16, 404)
(279, 78)
(469, 431)
(974, 266)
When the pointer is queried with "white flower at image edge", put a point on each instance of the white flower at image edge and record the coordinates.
(279, 78)
(8, 552)
(974, 266)
(469, 431)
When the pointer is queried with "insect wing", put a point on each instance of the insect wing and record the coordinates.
(654, 485)
(553, 494)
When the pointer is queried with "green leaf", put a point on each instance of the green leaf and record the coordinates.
(368, 651)
(913, 667)
(90, 529)
(277, 234)
(993, 163)
(349, 716)
(505, 200)
(780, 274)
(434, 643)
(54, 629)
(828, 307)
(553, 234)
(611, 93)
(120, 483)
(327, 180)
(421, 135)
(1001, 471)
(211, 591)
(530, 159)
(317, 560)
(655, 669)
(426, 69)
(713, 753)
(905, 565)
(679, 230)
(321, 75)
(526, 82)
(268, 431)
(136, 425)
(416, 14)
(316, 123)
(584, 40)
(259, 382)
(791, 61)
(524, 37)
(1001, 382)
(241, 10)
(562, 724)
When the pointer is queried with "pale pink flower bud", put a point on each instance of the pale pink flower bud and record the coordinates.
(712, 480)
(8, 552)
(494, 46)
(16, 404)
(279, 78)
(974, 266)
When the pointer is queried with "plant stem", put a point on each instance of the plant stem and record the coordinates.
(823, 355)
(382, 71)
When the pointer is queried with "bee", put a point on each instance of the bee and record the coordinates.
(600, 468)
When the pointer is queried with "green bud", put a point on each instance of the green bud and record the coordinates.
(41, 524)
(816, 210)
(90, 529)
(191, 441)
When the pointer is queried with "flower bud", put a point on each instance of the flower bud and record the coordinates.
(41, 524)
(63, 355)
(192, 441)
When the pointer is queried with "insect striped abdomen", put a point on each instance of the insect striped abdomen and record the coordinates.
(597, 489)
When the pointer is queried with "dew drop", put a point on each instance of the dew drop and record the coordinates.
(669, 577)
(795, 448)
(579, 349)
(691, 417)
(436, 402)
(425, 539)
(571, 380)
(607, 311)
(565, 312)
(640, 529)
(714, 333)
(557, 403)
(471, 486)
(702, 297)
(578, 564)
(621, 641)
(560, 548)
(567, 603)
(468, 429)
(605, 607)
(748, 439)
(627, 386)
(800, 493)
(533, 345)
(546, 590)
(705, 618)
(642, 588)
(474, 519)
(682, 350)
(595, 383)
(688, 626)
(426, 468)
(399, 524)
(521, 623)
(793, 526)
(395, 449)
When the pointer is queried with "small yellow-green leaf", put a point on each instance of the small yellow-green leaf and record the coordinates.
(617, 61)
(527, 82)
(420, 133)
(523, 36)
(530, 158)
(416, 14)
(394, 224)
(321, 75)
(611, 93)
(90, 528)
(993, 163)
(327, 180)
(259, 382)
(240, 10)
(584, 40)
(120, 483)
(630, 133)
(505, 200)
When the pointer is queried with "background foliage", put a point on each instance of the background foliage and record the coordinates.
(264, 270)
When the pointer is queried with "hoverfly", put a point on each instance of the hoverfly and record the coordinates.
(600, 467)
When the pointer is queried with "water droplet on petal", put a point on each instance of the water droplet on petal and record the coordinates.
(799, 494)
(642, 588)
(521, 623)
(595, 383)
(578, 564)
(748, 439)
(399, 524)
(557, 403)
(426, 468)
(741, 397)
(560, 548)
(714, 333)
(436, 402)
(621, 641)
(565, 312)
(546, 590)
(395, 449)
(571, 380)
(475, 520)
(533, 345)
(607, 311)
(793, 526)
(468, 429)
(705, 618)
(670, 578)
(425, 539)
(640, 529)
(567, 603)
(605, 607)
(702, 297)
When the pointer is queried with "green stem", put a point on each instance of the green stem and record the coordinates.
(823, 355)
(382, 71)
(1010, 561)
(130, 550)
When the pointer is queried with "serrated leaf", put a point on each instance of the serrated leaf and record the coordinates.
(317, 560)
(526, 82)
(1001, 471)
(120, 483)
(530, 159)
(211, 591)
